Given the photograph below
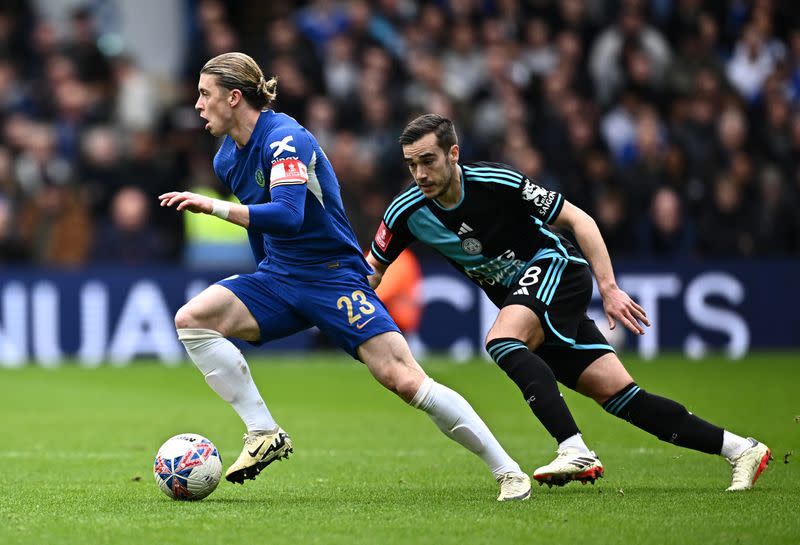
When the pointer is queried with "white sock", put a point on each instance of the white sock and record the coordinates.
(226, 371)
(574, 441)
(458, 420)
(733, 445)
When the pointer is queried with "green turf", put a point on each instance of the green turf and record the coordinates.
(77, 449)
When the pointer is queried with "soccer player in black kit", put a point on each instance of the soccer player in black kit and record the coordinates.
(493, 224)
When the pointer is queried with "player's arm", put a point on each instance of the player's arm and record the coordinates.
(284, 215)
(618, 304)
(379, 268)
(387, 246)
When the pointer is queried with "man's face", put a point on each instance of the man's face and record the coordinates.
(432, 169)
(214, 105)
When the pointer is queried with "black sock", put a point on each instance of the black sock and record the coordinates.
(664, 418)
(538, 385)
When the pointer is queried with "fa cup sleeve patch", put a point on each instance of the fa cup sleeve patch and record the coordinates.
(383, 237)
(288, 171)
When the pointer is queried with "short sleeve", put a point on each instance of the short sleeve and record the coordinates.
(389, 243)
(542, 203)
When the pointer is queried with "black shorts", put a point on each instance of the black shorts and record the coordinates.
(558, 290)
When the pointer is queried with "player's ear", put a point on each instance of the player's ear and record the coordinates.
(454, 152)
(234, 97)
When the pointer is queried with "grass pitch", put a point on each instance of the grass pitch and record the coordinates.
(78, 445)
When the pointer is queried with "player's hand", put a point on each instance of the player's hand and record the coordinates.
(619, 306)
(374, 279)
(186, 200)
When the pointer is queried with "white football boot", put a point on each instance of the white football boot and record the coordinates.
(571, 464)
(748, 466)
(514, 487)
(260, 450)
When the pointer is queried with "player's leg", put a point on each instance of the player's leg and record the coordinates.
(390, 361)
(203, 325)
(347, 310)
(608, 382)
(516, 333)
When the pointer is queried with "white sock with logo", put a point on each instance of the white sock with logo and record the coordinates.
(226, 371)
(733, 445)
(458, 420)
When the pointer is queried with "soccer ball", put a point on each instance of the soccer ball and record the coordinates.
(187, 467)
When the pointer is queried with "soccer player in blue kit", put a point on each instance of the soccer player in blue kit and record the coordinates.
(310, 272)
(493, 225)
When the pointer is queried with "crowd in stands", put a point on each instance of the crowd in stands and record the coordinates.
(674, 123)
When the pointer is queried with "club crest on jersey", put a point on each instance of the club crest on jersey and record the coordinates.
(260, 180)
(472, 246)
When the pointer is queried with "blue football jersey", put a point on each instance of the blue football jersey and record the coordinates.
(282, 152)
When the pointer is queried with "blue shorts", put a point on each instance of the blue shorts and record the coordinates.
(345, 308)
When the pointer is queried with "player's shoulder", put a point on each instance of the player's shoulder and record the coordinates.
(285, 136)
(281, 125)
(495, 174)
(406, 202)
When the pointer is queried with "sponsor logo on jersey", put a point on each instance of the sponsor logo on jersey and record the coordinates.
(540, 196)
(522, 291)
(464, 229)
(383, 236)
(283, 145)
(260, 180)
(472, 246)
(287, 171)
(499, 270)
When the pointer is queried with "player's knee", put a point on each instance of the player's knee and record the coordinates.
(399, 378)
(187, 317)
(407, 385)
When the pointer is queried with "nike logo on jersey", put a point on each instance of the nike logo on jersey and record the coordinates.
(283, 145)
(464, 229)
(522, 291)
(362, 324)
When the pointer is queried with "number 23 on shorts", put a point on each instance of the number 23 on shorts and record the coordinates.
(356, 305)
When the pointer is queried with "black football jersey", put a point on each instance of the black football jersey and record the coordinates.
(499, 226)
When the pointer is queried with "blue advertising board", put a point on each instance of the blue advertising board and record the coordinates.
(115, 315)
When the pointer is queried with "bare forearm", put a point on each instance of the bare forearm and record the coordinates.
(379, 268)
(591, 242)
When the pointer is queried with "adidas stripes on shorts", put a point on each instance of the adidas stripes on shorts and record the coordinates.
(558, 291)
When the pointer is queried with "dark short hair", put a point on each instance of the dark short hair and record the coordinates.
(430, 123)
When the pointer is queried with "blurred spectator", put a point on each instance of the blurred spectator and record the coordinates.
(726, 226)
(611, 214)
(777, 225)
(12, 249)
(128, 237)
(607, 55)
(463, 62)
(320, 21)
(92, 66)
(138, 101)
(282, 39)
(585, 97)
(666, 232)
(752, 62)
